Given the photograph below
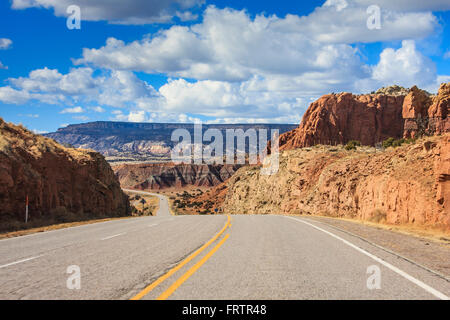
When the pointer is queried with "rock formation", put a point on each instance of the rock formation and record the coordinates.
(439, 111)
(52, 176)
(371, 118)
(125, 141)
(165, 175)
(338, 118)
(406, 185)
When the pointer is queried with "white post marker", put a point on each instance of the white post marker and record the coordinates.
(26, 210)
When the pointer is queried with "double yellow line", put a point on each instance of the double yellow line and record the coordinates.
(190, 272)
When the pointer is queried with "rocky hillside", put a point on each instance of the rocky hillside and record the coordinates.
(409, 184)
(125, 141)
(57, 180)
(158, 176)
(371, 118)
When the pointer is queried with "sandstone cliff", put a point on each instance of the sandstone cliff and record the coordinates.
(79, 182)
(165, 175)
(406, 185)
(371, 118)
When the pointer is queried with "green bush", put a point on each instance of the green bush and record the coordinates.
(388, 142)
(352, 144)
(391, 142)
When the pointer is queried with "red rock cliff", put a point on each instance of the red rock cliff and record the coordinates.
(53, 176)
(405, 185)
(165, 175)
(371, 118)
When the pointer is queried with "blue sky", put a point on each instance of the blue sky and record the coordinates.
(216, 61)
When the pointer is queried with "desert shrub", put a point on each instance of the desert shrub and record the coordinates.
(388, 142)
(398, 143)
(11, 225)
(61, 214)
(410, 140)
(352, 144)
(391, 142)
(378, 215)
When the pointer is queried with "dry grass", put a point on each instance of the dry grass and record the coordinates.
(55, 227)
(148, 208)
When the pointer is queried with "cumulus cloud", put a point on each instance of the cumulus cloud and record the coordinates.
(405, 66)
(118, 11)
(5, 43)
(227, 46)
(98, 109)
(240, 68)
(2, 66)
(73, 110)
(115, 88)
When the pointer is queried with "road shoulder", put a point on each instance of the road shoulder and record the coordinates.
(431, 254)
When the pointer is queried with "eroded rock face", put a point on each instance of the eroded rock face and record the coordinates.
(166, 175)
(406, 185)
(338, 118)
(54, 176)
(439, 111)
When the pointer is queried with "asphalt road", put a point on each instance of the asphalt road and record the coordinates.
(163, 209)
(207, 257)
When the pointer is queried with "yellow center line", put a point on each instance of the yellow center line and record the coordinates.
(166, 294)
(180, 265)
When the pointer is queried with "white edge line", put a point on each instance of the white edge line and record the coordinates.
(407, 276)
(20, 261)
(110, 237)
(152, 225)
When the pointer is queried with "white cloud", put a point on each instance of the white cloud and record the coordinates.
(13, 96)
(244, 69)
(98, 109)
(73, 110)
(227, 46)
(5, 43)
(39, 131)
(408, 5)
(138, 116)
(122, 89)
(2, 66)
(117, 11)
(405, 66)
(29, 115)
(447, 55)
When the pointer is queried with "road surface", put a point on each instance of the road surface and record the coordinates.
(207, 257)
(163, 209)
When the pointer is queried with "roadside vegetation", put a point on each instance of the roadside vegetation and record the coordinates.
(185, 203)
(143, 205)
(392, 142)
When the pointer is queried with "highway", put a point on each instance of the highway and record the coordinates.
(208, 257)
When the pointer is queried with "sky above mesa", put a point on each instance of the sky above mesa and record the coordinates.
(211, 61)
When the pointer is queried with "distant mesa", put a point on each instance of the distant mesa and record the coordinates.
(125, 141)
